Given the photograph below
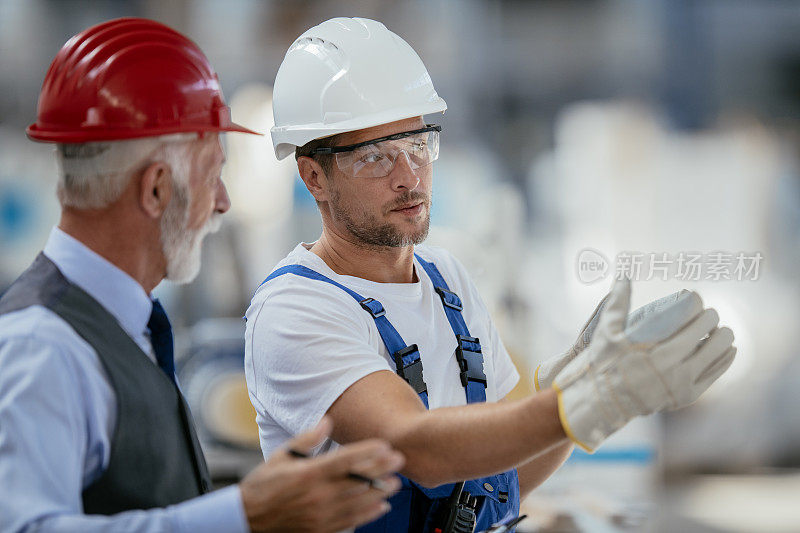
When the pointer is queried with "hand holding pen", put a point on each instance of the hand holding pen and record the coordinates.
(330, 492)
(372, 482)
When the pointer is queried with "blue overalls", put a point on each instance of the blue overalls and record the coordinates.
(414, 506)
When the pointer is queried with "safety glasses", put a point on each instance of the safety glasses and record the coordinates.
(376, 158)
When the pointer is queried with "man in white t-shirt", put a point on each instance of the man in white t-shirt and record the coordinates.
(308, 342)
(391, 339)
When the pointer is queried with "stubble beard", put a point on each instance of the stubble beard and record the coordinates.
(374, 234)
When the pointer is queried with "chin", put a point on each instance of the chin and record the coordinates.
(421, 233)
(412, 239)
(184, 257)
(184, 275)
(183, 264)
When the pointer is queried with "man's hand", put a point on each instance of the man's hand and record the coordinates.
(316, 494)
(665, 362)
(545, 372)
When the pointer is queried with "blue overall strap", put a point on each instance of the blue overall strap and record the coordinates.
(407, 358)
(468, 350)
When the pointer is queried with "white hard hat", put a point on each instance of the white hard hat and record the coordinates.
(347, 74)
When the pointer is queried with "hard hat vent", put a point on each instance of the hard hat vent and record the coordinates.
(315, 45)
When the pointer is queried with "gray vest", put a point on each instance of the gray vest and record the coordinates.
(156, 459)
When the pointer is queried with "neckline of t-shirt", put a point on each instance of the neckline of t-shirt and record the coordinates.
(361, 285)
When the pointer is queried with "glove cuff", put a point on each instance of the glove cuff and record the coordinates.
(562, 416)
(588, 409)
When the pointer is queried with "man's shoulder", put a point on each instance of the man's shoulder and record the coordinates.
(299, 256)
(299, 291)
(295, 285)
(293, 295)
(39, 341)
(36, 323)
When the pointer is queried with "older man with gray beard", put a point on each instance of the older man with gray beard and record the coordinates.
(95, 434)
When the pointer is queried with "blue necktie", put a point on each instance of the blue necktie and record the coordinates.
(161, 339)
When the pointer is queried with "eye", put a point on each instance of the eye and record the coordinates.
(372, 158)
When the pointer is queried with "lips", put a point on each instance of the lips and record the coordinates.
(410, 209)
(407, 206)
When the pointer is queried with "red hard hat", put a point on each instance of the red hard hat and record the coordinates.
(129, 78)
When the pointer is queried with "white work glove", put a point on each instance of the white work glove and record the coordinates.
(652, 367)
(546, 371)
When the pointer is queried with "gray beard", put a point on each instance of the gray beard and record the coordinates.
(182, 247)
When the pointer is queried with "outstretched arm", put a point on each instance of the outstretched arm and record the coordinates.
(540, 468)
(451, 443)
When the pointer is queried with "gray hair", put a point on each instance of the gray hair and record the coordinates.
(93, 175)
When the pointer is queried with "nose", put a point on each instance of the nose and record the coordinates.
(402, 175)
(222, 201)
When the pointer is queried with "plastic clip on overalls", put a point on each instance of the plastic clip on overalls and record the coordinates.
(458, 514)
(417, 508)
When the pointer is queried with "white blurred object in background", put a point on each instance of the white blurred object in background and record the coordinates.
(260, 187)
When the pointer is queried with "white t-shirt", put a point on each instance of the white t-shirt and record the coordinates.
(307, 341)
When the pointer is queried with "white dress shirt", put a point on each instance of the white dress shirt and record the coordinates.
(58, 409)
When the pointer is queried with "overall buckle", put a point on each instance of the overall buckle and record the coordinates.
(449, 298)
(411, 372)
(373, 307)
(470, 361)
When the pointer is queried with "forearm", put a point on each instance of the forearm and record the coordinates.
(38, 391)
(537, 470)
(457, 443)
(217, 512)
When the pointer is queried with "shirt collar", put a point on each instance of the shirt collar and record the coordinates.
(115, 290)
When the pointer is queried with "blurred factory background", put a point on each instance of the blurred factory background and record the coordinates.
(631, 127)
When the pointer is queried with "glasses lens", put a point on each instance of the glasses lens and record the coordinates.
(377, 160)
(371, 161)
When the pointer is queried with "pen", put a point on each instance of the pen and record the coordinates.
(375, 483)
(507, 527)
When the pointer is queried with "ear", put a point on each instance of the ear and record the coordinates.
(317, 182)
(155, 189)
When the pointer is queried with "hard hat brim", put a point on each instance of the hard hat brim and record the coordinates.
(286, 138)
(101, 134)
